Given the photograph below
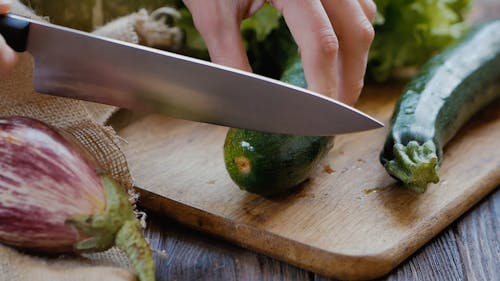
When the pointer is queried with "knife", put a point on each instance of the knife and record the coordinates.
(83, 66)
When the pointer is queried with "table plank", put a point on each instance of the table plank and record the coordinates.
(439, 260)
(469, 249)
(478, 236)
(185, 254)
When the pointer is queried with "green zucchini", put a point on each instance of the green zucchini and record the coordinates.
(443, 95)
(269, 164)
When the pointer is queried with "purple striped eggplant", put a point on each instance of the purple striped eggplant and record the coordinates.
(54, 198)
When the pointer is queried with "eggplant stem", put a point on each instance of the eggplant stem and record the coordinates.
(130, 240)
(415, 165)
(116, 225)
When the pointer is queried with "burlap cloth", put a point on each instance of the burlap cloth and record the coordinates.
(85, 121)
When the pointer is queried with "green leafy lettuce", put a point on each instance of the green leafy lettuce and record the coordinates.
(409, 32)
(262, 23)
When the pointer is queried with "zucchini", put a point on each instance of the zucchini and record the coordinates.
(270, 164)
(444, 94)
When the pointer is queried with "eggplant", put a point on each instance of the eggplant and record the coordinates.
(55, 199)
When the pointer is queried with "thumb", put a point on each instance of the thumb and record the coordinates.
(8, 57)
(4, 6)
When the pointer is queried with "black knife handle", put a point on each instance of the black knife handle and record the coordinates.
(15, 31)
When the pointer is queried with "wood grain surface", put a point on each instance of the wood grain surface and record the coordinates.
(469, 249)
(354, 223)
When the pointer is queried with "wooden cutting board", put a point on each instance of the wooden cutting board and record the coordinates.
(350, 221)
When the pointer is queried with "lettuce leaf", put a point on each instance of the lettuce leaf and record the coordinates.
(262, 23)
(408, 33)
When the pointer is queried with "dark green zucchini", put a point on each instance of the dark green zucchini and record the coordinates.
(446, 92)
(269, 164)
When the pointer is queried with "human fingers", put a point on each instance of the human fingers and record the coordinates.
(369, 8)
(8, 57)
(4, 6)
(318, 44)
(219, 24)
(355, 33)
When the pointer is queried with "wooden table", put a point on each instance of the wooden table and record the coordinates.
(469, 249)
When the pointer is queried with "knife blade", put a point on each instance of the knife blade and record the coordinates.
(83, 66)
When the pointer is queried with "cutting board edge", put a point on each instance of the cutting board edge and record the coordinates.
(238, 234)
(314, 259)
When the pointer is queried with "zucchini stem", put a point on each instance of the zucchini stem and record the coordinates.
(415, 165)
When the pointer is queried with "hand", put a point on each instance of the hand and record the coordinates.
(333, 36)
(8, 57)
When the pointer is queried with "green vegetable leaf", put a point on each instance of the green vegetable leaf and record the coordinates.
(263, 22)
(408, 33)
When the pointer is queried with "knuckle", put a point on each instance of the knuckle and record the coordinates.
(329, 43)
(366, 33)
